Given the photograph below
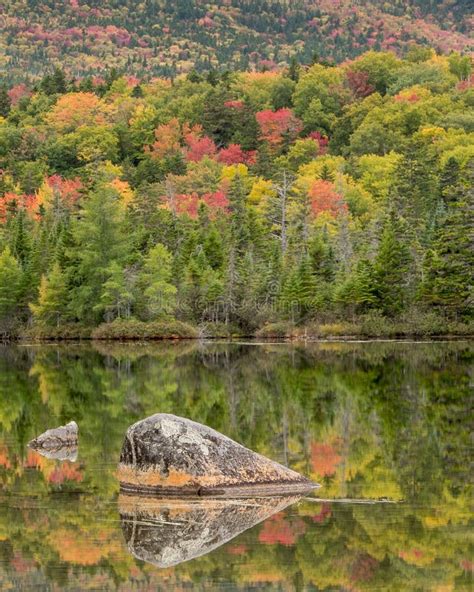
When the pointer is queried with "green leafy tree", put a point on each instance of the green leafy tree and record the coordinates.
(159, 292)
(52, 305)
(117, 296)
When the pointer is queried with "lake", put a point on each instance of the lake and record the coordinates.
(384, 427)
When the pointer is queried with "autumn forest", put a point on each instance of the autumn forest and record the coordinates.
(310, 198)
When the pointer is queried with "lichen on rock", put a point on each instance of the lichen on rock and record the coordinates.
(168, 454)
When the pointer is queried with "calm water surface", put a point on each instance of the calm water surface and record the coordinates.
(380, 422)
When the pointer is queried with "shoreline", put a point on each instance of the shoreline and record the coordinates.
(413, 338)
(362, 329)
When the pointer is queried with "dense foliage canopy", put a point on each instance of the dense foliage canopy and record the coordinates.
(168, 37)
(240, 198)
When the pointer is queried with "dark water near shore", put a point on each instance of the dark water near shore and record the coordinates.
(369, 421)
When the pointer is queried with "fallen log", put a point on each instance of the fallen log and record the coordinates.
(169, 455)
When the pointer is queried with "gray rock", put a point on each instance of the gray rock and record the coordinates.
(166, 454)
(58, 443)
(166, 532)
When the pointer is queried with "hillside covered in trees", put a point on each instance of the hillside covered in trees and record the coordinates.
(241, 202)
(168, 37)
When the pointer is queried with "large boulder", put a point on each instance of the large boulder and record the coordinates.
(166, 454)
(58, 443)
(166, 532)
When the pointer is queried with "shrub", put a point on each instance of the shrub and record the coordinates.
(276, 330)
(133, 329)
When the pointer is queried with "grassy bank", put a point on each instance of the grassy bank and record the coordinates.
(116, 330)
(370, 326)
(362, 327)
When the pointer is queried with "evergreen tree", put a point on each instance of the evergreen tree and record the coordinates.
(117, 296)
(52, 305)
(10, 286)
(159, 292)
(5, 102)
(294, 70)
(290, 296)
(308, 294)
(20, 237)
(100, 237)
(358, 291)
(391, 269)
(449, 266)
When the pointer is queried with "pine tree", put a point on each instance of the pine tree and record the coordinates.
(100, 237)
(449, 266)
(358, 291)
(294, 69)
(10, 286)
(52, 305)
(20, 241)
(290, 296)
(391, 269)
(5, 102)
(214, 248)
(308, 296)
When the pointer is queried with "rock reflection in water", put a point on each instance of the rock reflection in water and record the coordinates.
(58, 443)
(166, 532)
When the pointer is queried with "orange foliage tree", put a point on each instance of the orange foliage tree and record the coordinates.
(324, 198)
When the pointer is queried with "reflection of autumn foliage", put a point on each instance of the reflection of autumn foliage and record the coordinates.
(4, 459)
(323, 514)
(78, 548)
(237, 550)
(66, 472)
(20, 564)
(414, 556)
(324, 459)
(279, 530)
(325, 198)
(363, 568)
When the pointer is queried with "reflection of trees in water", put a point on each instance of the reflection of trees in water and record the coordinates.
(366, 420)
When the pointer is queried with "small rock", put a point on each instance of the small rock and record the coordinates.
(58, 443)
(166, 532)
(166, 454)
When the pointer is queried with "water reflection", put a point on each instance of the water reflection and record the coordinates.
(166, 532)
(364, 420)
